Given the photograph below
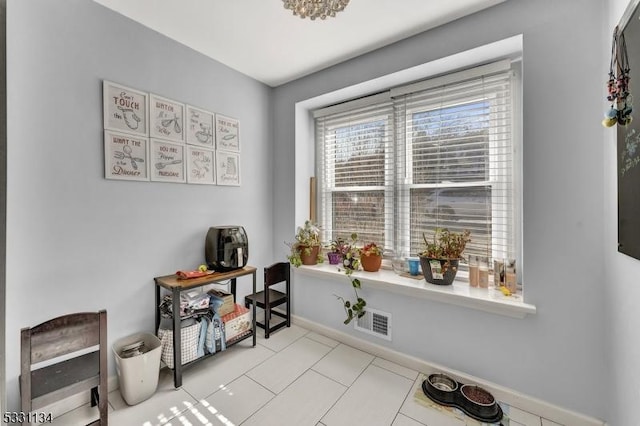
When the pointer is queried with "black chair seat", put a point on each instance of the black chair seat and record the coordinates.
(275, 298)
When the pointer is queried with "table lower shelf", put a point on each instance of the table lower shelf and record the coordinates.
(237, 339)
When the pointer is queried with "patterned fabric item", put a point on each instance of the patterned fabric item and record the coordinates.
(203, 335)
(190, 336)
(215, 340)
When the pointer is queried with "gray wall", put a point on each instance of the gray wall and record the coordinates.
(556, 355)
(622, 283)
(77, 241)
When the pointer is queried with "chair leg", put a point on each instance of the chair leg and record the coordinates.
(95, 396)
(288, 314)
(267, 316)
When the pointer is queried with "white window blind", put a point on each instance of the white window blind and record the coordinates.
(435, 154)
(356, 172)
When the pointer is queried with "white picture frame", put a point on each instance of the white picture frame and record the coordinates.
(166, 119)
(227, 133)
(125, 110)
(126, 157)
(199, 124)
(201, 165)
(227, 168)
(167, 161)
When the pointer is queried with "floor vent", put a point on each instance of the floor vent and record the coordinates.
(376, 323)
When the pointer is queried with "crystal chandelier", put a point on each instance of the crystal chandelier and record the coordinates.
(315, 8)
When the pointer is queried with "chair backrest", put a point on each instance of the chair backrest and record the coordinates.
(63, 335)
(276, 273)
(61, 338)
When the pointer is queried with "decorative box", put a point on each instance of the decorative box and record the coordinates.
(227, 306)
(237, 322)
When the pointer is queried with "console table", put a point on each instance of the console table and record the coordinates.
(177, 285)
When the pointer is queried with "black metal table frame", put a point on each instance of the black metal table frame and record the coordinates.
(218, 278)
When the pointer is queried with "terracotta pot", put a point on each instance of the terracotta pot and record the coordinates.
(444, 275)
(312, 257)
(371, 263)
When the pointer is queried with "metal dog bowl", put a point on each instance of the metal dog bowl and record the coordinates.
(441, 388)
(479, 403)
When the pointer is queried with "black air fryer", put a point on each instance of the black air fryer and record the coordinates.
(226, 248)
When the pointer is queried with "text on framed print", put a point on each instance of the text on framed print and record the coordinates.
(167, 118)
(167, 161)
(125, 156)
(125, 109)
(227, 133)
(199, 127)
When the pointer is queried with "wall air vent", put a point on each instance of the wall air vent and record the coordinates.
(376, 323)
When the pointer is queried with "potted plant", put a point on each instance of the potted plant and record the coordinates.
(306, 249)
(350, 255)
(337, 248)
(371, 257)
(440, 257)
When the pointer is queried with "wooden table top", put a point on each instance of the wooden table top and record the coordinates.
(171, 281)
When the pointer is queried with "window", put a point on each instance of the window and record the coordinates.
(440, 153)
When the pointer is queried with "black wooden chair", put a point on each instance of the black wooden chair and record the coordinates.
(270, 298)
(70, 375)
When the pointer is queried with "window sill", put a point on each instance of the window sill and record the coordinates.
(460, 293)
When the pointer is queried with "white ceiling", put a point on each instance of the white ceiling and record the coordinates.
(263, 40)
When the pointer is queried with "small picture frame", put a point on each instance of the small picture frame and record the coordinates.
(228, 168)
(167, 161)
(125, 110)
(166, 119)
(200, 127)
(125, 156)
(227, 133)
(201, 165)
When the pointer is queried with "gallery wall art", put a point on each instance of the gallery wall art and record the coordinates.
(149, 137)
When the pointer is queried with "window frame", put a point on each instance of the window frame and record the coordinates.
(399, 237)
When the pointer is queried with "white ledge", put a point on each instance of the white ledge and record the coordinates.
(459, 293)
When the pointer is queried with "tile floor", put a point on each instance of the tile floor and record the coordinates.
(296, 377)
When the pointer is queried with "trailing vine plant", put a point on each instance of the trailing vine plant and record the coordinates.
(351, 262)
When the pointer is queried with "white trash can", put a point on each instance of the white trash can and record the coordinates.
(138, 366)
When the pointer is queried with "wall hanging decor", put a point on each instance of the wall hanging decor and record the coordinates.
(228, 168)
(166, 118)
(200, 127)
(148, 137)
(125, 156)
(167, 161)
(618, 84)
(227, 133)
(125, 109)
(200, 165)
(628, 132)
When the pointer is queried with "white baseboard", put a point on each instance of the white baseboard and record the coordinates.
(513, 398)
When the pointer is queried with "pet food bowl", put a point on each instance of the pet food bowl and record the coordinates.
(479, 403)
(441, 388)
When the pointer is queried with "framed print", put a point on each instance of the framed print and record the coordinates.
(227, 133)
(228, 168)
(166, 119)
(199, 127)
(125, 156)
(167, 161)
(125, 109)
(200, 165)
